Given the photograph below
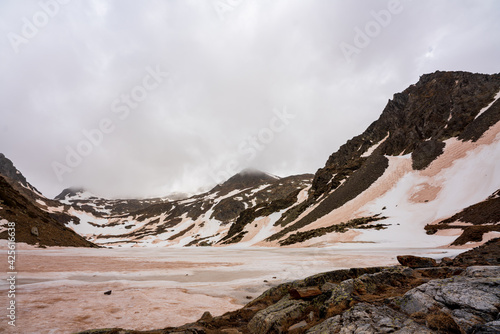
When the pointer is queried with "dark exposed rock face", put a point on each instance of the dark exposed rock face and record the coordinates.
(416, 261)
(467, 300)
(425, 152)
(475, 129)
(487, 254)
(439, 106)
(8, 169)
(359, 223)
(17, 180)
(484, 217)
(228, 209)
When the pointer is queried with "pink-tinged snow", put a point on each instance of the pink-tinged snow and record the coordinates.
(303, 195)
(398, 167)
(107, 232)
(61, 290)
(54, 209)
(260, 229)
(204, 227)
(472, 174)
(42, 203)
(30, 188)
(84, 227)
(465, 174)
(497, 96)
(260, 188)
(230, 194)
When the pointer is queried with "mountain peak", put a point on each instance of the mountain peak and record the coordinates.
(248, 177)
(16, 179)
(74, 192)
(8, 169)
(251, 175)
(256, 172)
(440, 106)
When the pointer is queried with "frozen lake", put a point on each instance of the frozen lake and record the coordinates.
(61, 290)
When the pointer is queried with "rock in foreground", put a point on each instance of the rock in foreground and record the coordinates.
(416, 261)
(399, 299)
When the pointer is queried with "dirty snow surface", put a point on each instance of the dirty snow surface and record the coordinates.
(61, 290)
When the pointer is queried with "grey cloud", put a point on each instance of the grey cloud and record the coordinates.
(225, 79)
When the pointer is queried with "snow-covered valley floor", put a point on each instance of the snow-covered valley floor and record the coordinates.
(61, 290)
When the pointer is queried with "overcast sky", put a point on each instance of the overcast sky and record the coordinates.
(143, 98)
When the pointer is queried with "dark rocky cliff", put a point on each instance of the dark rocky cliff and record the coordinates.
(439, 106)
(416, 121)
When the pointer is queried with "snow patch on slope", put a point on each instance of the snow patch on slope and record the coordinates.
(374, 147)
(497, 96)
(260, 229)
(467, 181)
(81, 195)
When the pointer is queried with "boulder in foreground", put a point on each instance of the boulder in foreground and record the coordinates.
(416, 261)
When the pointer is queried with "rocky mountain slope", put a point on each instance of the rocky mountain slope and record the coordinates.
(17, 180)
(431, 154)
(238, 211)
(33, 225)
(420, 296)
(219, 216)
(423, 175)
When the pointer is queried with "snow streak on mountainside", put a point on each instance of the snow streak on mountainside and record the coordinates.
(423, 174)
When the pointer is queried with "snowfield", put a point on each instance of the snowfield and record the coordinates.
(61, 290)
(470, 177)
